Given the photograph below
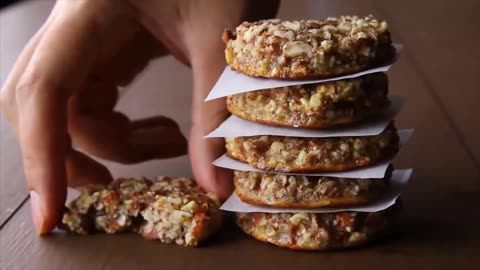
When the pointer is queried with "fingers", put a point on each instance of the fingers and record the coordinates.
(121, 65)
(206, 52)
(202, 153)
(154, 121)
(95, 96)
(8, 102)
(206, 117)
(58, 65)
(112, 136)
(207, 59)
(83, 170)
(162, 139)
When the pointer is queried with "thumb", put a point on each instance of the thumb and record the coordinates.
(202, 153)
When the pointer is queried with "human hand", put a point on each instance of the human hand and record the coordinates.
(63, 89)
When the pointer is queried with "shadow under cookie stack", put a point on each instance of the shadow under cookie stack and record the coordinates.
(312, 136)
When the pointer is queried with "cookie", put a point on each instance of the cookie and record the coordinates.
(308, 49)
(295, 154)
(318, 105)
(299, 191)
(172, 210)
(311, 231)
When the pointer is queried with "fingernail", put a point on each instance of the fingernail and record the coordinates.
(37, 214)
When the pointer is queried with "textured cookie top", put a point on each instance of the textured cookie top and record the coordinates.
(308, 48)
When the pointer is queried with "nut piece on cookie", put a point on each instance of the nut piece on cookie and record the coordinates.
(173, 210)
(308, 48)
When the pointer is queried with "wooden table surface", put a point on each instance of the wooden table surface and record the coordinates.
(437, 72)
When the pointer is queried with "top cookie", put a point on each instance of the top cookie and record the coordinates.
(308, 49)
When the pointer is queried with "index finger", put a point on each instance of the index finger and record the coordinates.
(58, 65)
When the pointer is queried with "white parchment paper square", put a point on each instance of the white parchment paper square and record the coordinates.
(377, 171)
(232, 82)
(72, 194)
(235, 126)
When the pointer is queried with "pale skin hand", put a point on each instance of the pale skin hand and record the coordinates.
(63, 89)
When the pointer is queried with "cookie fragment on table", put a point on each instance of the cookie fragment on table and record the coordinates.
(182, 216)
(308, 49)
(173, 210)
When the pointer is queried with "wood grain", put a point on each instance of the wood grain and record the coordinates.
(13, 189)
(443, 40)
(440, 225)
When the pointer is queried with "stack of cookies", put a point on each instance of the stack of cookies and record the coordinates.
(326, 72)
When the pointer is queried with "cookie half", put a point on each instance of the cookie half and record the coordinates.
(314, 105)
(308, 49)
(173, 210)
(295, 154)
(310, 231)
(298, 191)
